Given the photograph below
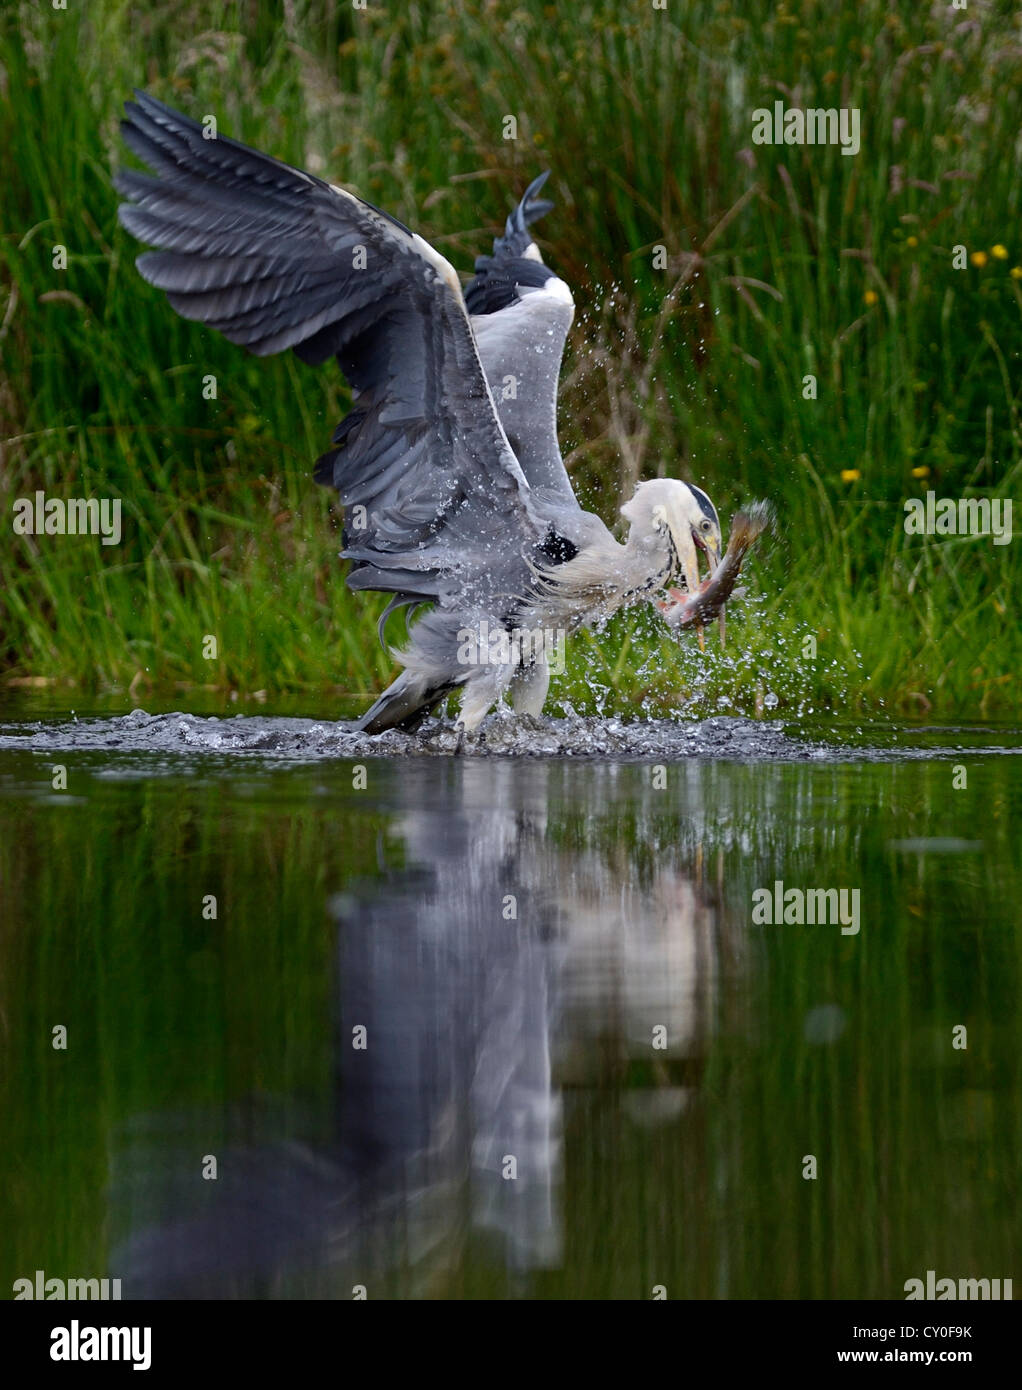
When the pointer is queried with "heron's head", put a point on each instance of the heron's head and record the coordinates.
(680, 517)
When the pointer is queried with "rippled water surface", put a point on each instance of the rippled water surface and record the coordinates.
(507, 1021)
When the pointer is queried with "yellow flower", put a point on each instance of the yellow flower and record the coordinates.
(850, 475)
(999, 252)
(871, 296)
(1016, 272)
(979, 258)
(922, 472)
(912, 241)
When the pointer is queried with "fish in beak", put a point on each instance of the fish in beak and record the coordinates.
(693, 608)
(688, 548)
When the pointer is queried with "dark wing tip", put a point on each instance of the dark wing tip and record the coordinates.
(493, 286)
(529, 210)
(145, 105)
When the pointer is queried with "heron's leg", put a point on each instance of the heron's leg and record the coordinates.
(459, 745)
(529, 687)
(480, 693)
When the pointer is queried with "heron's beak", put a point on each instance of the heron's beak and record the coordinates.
(688, 562)
(712, 548)
(713, 559)
(688, 566)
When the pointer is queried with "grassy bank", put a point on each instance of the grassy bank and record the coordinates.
(781, 263)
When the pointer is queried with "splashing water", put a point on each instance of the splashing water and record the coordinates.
(294, 740)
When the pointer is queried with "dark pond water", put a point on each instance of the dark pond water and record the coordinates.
(502, 1026)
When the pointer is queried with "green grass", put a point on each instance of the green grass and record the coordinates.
(781, 262)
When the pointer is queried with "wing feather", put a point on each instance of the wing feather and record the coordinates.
(275, 258)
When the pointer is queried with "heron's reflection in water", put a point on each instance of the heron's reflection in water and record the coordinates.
(532, 949)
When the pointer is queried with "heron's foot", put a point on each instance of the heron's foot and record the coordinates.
(474, 737)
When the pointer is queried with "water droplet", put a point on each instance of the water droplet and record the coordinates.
(824, 1024)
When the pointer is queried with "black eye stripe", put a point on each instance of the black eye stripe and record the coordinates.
(705, 505)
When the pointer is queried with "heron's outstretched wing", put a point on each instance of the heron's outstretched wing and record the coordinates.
(521, 313)
(275, 258)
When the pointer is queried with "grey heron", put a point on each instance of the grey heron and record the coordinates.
(455, 493)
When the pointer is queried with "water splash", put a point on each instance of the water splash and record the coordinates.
(503, 735)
